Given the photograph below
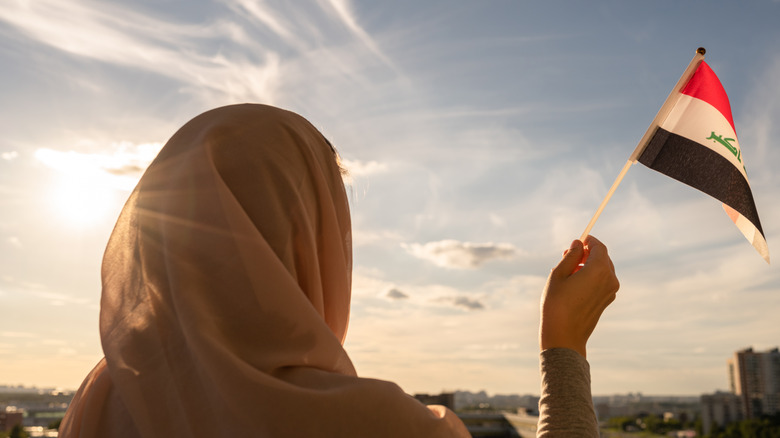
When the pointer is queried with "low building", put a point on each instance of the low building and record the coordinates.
(499, 424)
(10, 417)
(719, 409)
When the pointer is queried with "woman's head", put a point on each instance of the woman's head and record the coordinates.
(240, 225)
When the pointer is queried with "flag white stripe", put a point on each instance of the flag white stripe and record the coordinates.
(752, 235)
(697, 120)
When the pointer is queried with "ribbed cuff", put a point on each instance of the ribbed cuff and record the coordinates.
(566, 404)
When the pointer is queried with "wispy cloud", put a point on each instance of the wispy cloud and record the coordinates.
(262, 13)
(8, 156)
(359, 171)
(344, 12)
(59, 299)
(363, 168)
(361, 236)
(460, 255)
(121, 36)
(42, 292)
(120, 164)
(248, 56)
(11, 334)
(369, 285)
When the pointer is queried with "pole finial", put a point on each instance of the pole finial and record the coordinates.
(701, 51)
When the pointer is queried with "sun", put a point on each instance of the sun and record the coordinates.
(83, 193)
(82, 200)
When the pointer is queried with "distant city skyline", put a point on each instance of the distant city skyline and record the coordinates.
(730, 364)
(480, 136)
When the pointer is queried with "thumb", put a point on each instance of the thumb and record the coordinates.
(571, 260)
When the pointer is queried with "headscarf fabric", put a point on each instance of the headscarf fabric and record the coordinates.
(225, 300)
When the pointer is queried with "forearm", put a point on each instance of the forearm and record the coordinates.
(566, 404)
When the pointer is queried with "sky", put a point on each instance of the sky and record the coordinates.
(481, 136)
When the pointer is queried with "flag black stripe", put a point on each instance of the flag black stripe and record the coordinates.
(701, 168)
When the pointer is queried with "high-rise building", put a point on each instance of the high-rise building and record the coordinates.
(755, 377)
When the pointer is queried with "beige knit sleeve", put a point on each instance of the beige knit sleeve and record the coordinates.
(566, 404)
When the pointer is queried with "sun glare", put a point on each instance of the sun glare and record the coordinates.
(84, 194)
(82, 200)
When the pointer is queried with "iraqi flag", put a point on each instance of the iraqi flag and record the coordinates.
(695, 143)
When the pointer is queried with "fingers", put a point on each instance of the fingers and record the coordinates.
(597, 252)
(600, 264)
(592, 240)
(571, 258)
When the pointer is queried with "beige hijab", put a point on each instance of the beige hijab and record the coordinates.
(226, 289)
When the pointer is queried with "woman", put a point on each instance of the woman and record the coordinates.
(226, 289)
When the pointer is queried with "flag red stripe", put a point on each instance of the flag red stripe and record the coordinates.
(705, 85)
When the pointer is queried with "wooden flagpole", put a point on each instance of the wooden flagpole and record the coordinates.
(666, 108)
